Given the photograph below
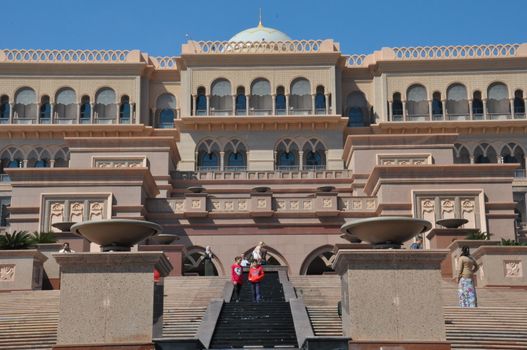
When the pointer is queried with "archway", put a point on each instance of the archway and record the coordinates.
(319, 261)
(194, 263)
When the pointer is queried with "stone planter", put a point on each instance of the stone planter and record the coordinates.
(51, 278)
(21, 269)
(455, 252)
(501, 266)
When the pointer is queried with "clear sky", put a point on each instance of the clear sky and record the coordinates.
(159, 26)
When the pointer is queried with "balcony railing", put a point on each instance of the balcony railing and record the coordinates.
(5, 178)
(202, 173)
(457, 117)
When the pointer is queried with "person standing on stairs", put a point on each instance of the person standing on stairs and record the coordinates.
(467, 266)
(236, 277)
(256, 275)
(207, 258)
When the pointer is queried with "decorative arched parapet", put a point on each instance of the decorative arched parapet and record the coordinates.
(323, 255)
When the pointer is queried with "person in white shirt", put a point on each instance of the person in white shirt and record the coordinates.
(66, 248)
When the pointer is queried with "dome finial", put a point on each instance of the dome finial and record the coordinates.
(260, 25)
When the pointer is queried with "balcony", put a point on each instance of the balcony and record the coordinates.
(5, 178)
(520, 174)
(213, 173)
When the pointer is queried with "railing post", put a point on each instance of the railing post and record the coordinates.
(511, 102)
(208, 105)
(273, 103)
(443, 102)
(194, 107)
(92, 113)
(233, 109)
(222, 161)
(430, 112)
(287, 104)
(312, 104)
(11, 112)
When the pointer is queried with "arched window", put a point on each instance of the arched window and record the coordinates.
(38, 158)
(125, 110)
(5, 109)
(194, 263)
(260, 101)
(485, 153)
(513, 153)
(300, 99)
(85, 110)
(519, 104)
(44, 115)
(319, 262)
(357, 109)
(456, 102)
(12, 157)
(287, 155)
(320, 100)
(241, 101)
(235, 156)
(437, 106)
(477, 105)
(221, 97)
(165, 111)
(461, 154)
(65, 106)
(314, 153)
(397, 107)
(62, 157)
(208, 156)
(280, 103)
(105, 106)
(416, 103)
(201, 102)
(25, 106)
(498, 105)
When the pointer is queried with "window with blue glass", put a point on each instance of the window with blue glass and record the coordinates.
(241, 101)
(41, 163)
(45, 110)
(165, 110)
(519, 103)
(313, 159)
(236, 160)
(4, 108)
(437, 105)
(397, 107)
(357, 108)
(85, 110)
(125, 110)
(280, 101)
(209, 161)
(201, 102)
(286, 159)
(15, 163)
(477, 104)
(320, 101)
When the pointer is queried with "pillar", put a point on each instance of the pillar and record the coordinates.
(194, 102)
(92, 113)
(222, 161)
(511, 101)
(52, 110)
(233, 104)
(273, 97)
(247, 104)
(208, 105)
(11, 112)
(390, 111)
(404, 110)
(313, 104)
(327, 103)
(471, 116)
(430, 112)
(443, 104)
(485, 116)
(287, 104)
(301, 160)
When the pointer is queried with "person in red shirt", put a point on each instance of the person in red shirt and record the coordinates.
(256, 275)
(236, 277)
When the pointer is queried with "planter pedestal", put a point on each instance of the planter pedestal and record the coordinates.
(21, 269)
(392, 298)
(107, 299)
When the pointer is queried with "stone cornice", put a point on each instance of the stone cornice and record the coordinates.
(23, 253)
(433, 173)
(90, 177)
(499, 250)
(261, 123)
(376, 141)
(40, 131)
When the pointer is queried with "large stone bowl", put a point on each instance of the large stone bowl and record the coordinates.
(451, 223)
(117, 234)
(64, 226)
(163, 238)
(385, 231)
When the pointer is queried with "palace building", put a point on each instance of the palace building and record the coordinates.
(264, 138)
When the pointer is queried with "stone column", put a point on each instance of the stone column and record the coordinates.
(78, 111)
(327, 103)
(11, 112)
(92, 112)
(287, 104)
(312, 104)
(194, 107)
(404, 110)
(470, 109)
(38, 113)
(443, 104)
(247, 104)
(390, 111)
(222, 161)
(511, 101)
(301, 160)
(52, 109)
(107, 299)
(472, 159)
(208, 105)
(233, 104)
(485, 116)
(392, 298)
(52, 165)
(273, 101)
(430, 112)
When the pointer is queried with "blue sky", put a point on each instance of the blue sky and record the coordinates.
(159, 26)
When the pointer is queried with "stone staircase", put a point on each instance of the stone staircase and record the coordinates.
(500, 321)
(28, 320)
